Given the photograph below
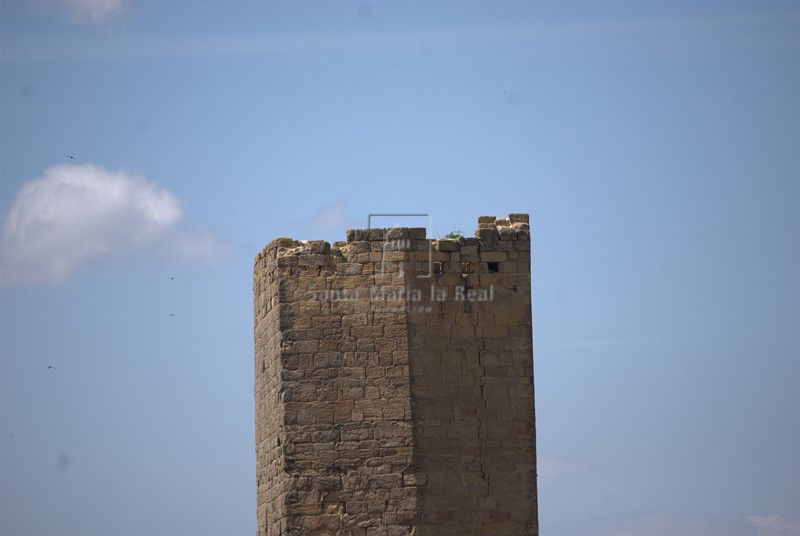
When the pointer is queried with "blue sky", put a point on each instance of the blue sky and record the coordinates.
(655, 145)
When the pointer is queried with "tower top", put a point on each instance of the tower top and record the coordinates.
(394, 384)
(489, 231)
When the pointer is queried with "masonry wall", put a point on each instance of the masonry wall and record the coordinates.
(471, 376)
(394, 390)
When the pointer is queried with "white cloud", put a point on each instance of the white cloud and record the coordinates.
(327, 223)
(202, 247)
(659, 523)
(74, 214)
(329, 217)
(775, 525)
(551, 466)
(85, 11)
(531, 37)
(611, 343)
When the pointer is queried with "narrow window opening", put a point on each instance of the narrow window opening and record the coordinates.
(494, 267)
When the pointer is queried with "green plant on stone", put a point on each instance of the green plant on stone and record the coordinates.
(454, 234)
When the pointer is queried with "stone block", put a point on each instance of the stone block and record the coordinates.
(446, 245)
(417, 233)
(487, 235)
(507, 233)
(494, 256)
(349, 268)
(316, 246)
(376, 234)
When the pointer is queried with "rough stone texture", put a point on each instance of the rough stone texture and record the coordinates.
(394, 384)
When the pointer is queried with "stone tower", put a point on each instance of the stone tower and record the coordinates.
(394, 384)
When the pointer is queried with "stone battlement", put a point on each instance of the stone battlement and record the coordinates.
(490, 231)
(500, 245)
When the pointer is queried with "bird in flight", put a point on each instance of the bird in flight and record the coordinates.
(172, 314)
(172, 278)
(50, 367)
(70, 157)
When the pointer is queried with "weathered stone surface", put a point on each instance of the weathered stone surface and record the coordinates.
(392, 398)
(446, 245)
(417, 233)
(507, 233)
(487, 235)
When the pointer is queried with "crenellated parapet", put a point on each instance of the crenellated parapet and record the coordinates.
(367, 251)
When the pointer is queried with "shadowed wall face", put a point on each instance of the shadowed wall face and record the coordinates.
(471, 375)
(394, 387)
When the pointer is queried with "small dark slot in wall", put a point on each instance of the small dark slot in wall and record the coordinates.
(494, 267)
